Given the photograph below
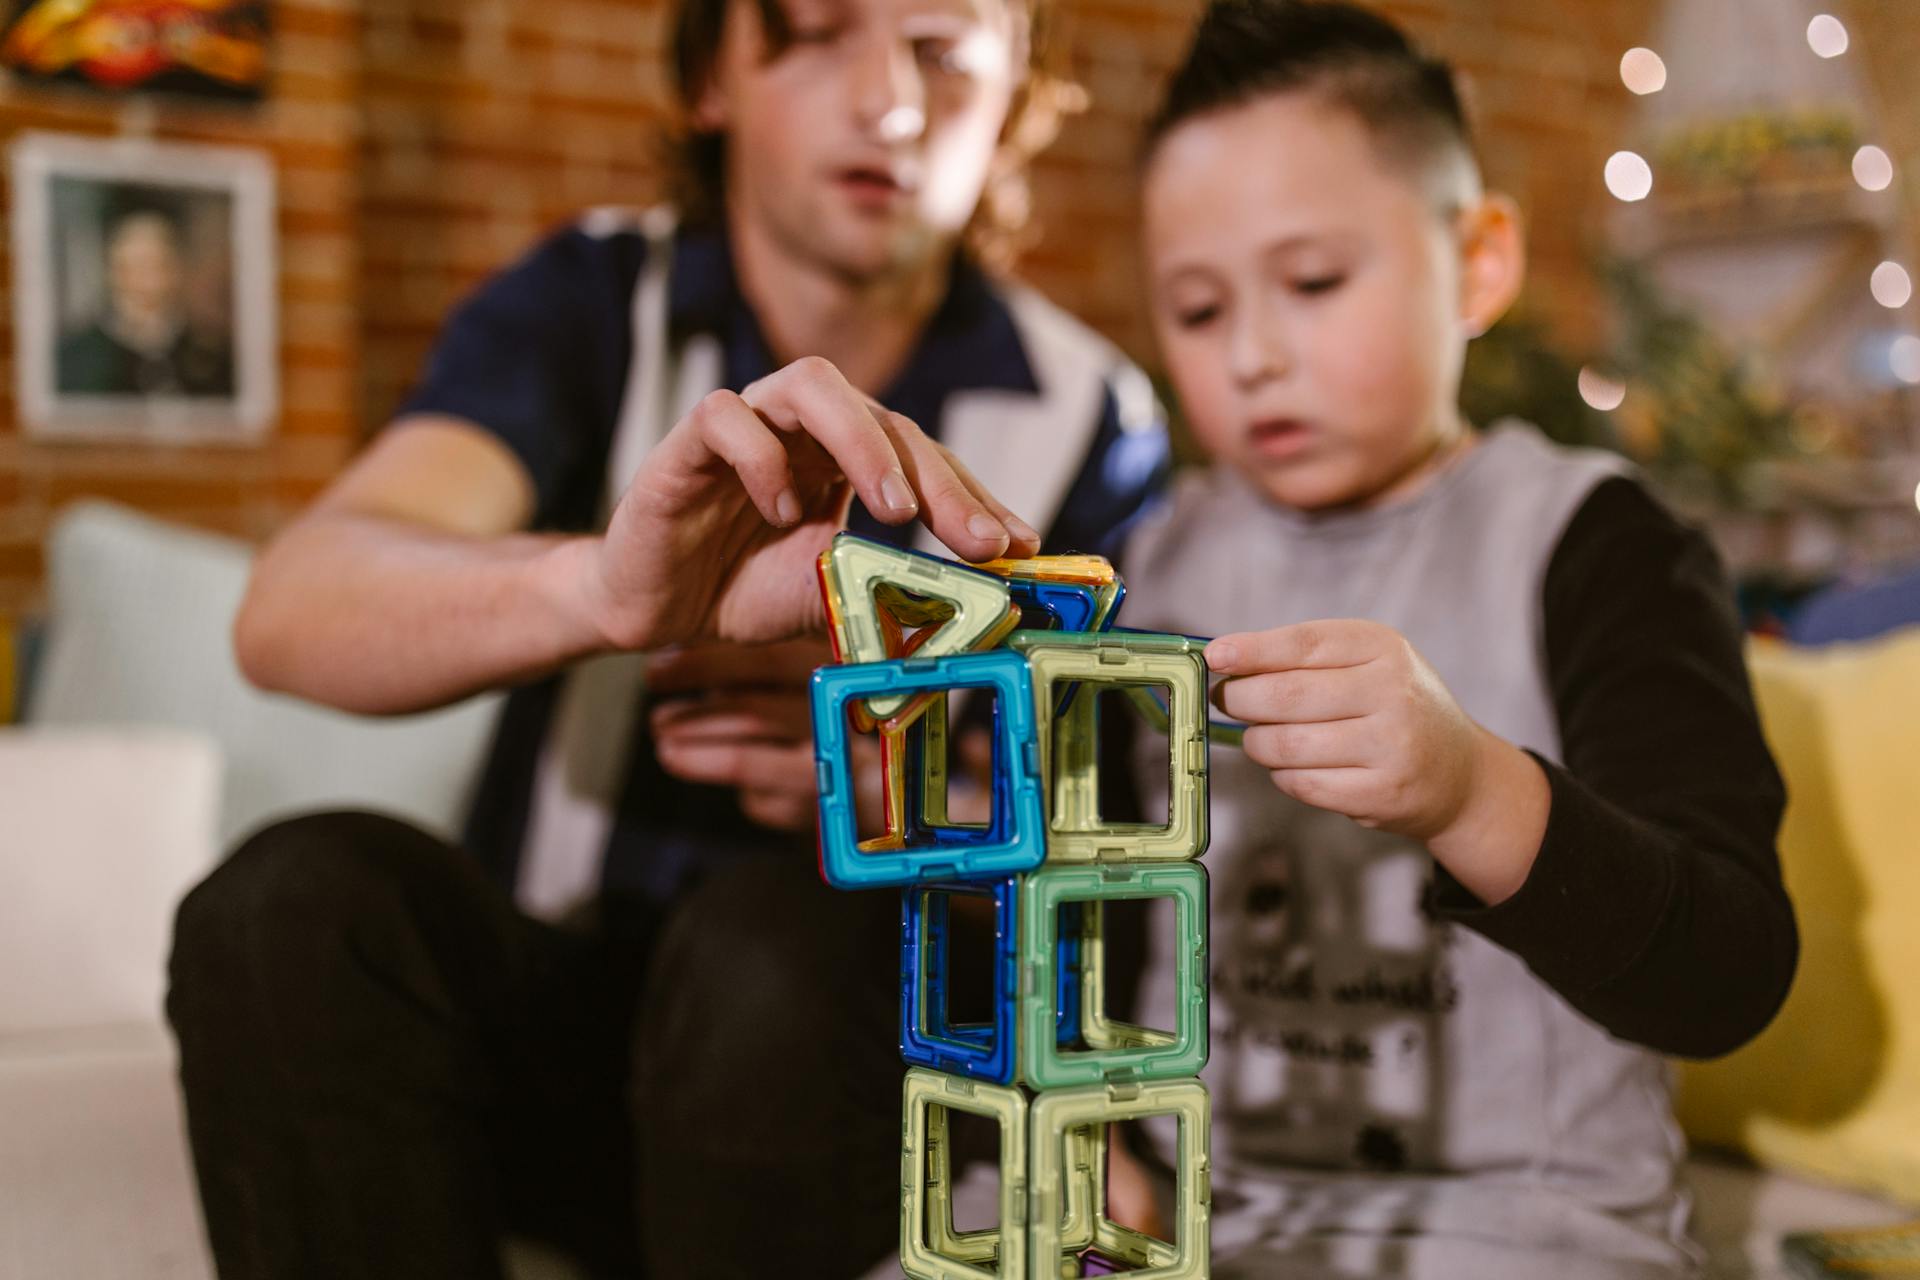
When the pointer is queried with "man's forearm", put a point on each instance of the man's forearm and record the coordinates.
(382, 616)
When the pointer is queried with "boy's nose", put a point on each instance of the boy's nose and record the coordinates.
(890, 99)
(1257, 352)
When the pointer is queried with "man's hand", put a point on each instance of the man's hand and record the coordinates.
(717, 536)
(1347, 716)
(737, 716)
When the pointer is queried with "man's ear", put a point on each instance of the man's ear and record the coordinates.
(711, 110)
(1493, 254)
(710, 104)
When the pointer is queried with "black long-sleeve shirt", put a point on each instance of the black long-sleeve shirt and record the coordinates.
(1655, 906)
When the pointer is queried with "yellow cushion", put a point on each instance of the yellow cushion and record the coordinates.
(1832, 1088)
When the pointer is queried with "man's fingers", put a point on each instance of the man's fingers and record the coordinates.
(1303, 695)
(739, 764)
(727, 427)
(737, 717)
(1335, 744)
(897, 471)
(778, 810)
(1024, 539)
(1338, 643)
(958, 510)
(811, 397)
(782, 664)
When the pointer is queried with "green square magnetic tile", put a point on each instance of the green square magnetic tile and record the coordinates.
(1098, 1029)
(1116, 1051)
(1086, 1184)
(925, 1159)
(1069, 752)
(1056, 1114)
(930, 1246)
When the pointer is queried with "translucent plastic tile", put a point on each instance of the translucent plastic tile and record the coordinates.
(1115, 1050)
(873, 590)
(1069, 751)
(926, 1175)
(1153, 709)
(1014, 838)
(929, 1036)
(931, 1245)
(1065, 606)
(1096, 572)
(1055, 1160)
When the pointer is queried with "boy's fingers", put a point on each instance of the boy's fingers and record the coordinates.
(1300, 696)
(1340, 790)
(1338, 643)
(1335, 744)
(811, 397)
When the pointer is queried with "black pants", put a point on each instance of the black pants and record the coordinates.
(387, 1068)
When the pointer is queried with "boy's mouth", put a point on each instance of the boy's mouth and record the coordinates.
(1279, 437)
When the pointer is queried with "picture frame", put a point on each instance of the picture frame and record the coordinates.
(145, 290)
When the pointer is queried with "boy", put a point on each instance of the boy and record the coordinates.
(389, 1063)
(1502, 832)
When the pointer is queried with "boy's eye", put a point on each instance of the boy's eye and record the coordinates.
(1197, 317)
(815, 33)
(1314, 285)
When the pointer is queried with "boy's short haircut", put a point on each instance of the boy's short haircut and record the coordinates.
(1356, 59)
(696, 160)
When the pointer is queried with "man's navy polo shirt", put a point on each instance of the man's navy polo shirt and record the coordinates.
(541, 355)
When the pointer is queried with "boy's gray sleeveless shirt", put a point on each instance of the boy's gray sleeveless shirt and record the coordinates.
(1383, 1080)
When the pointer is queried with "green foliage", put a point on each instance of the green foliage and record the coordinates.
(1698, 412)
(1515, 371)
(1739, 149)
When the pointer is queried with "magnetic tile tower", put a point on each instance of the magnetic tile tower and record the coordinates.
(1050, 1066)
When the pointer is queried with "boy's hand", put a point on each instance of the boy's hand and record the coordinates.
(717, 535)
(1347, 716)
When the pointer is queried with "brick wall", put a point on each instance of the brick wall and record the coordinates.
(422, 143)
(311, 128)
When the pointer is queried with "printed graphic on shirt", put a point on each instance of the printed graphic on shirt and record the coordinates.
(1330, 979)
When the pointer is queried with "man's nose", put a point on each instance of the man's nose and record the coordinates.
(890, 94)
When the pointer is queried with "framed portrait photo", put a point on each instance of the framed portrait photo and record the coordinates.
(145, 287)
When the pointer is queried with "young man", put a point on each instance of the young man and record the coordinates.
(388, 1064)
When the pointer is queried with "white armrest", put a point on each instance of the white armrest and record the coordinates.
(101, 833)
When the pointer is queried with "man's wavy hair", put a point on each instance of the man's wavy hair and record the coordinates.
(1002, 225)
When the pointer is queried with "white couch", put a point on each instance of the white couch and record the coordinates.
(146, 755)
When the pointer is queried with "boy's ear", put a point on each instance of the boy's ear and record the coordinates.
(1493, 255)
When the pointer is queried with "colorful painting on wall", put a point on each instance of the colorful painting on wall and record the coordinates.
(208, 48)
